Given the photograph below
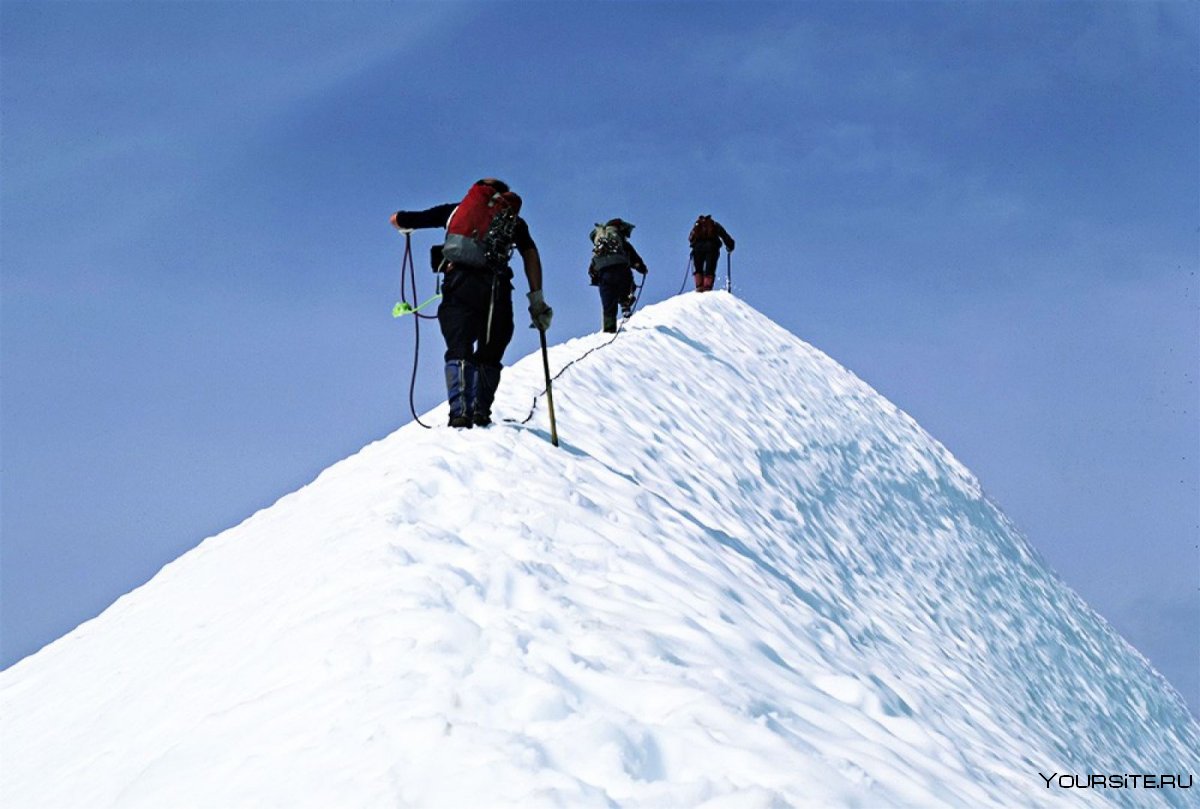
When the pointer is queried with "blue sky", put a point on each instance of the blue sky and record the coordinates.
(987, 211)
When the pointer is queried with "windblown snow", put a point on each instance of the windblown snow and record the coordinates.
(745, 579)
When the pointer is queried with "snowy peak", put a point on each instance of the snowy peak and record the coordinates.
(744, 579)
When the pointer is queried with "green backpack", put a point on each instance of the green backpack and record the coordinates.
(608, 245)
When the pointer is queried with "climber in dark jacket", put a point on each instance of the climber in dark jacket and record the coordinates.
(476, 312)
(705, 239)
(613, 261)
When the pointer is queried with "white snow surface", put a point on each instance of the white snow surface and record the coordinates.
(745, 579)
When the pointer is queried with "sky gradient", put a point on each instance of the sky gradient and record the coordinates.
(989, 212)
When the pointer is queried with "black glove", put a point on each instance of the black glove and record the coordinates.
(396, 223)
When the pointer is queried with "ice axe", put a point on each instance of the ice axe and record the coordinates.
(549, 389)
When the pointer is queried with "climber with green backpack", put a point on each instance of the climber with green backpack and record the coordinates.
(611, 269)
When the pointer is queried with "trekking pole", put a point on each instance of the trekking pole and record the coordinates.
(549, 390)
(728, 272)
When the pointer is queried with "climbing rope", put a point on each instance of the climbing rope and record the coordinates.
(408, 274)
(686, 267)
(592, 350)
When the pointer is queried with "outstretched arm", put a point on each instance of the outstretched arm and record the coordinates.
(435, 217)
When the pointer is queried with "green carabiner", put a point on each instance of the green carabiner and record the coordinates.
(405, 308)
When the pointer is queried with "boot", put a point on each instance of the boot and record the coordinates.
(486, 379)
(708, 282)
(458, 392)
(610, 324)
(699, 277)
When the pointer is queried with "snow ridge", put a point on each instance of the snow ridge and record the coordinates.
(744, 579)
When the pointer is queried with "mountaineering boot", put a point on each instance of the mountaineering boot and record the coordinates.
(610, 324)
(471, 386)
(699, 278)
(485, 381)
(708, 282)
(457, 393)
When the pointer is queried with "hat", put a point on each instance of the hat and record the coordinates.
(499, 185)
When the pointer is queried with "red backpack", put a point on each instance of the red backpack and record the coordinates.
(480, 231)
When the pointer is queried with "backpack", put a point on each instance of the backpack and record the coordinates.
(608, 245)
(705, 230)
(479, 232)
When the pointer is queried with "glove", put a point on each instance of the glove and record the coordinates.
(642, 269)
(396, 224)
(539, 312)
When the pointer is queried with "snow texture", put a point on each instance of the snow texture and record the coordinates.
(745, 579)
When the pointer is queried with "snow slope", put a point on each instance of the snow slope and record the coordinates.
(744, 580)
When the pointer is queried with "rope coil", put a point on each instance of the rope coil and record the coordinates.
(408, 273)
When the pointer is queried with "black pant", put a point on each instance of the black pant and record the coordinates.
(463, 316)
(705, 259)
(616, 285)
